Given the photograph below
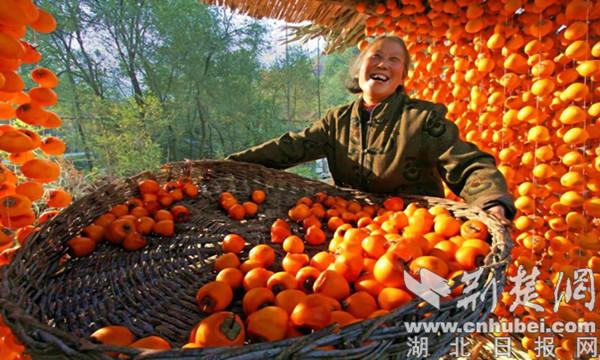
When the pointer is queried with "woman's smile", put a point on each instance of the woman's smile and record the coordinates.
(381, 71)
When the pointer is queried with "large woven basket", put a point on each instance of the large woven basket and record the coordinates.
(53, 306)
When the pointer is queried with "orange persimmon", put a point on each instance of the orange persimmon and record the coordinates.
(214, 296)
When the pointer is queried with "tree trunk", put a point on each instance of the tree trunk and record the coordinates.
(221, 138)
(203, 121)
(77, 119)
(318, 80)
(287, 69)
(127, 34)
(171, 144)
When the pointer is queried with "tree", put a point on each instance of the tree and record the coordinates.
(335, 74)
(151, 81)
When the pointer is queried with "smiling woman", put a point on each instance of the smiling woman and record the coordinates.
(387, 142)
(379, 69)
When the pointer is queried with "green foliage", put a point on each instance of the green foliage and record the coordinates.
(335, 75)
(151, 81)
(306, 170)
(123, 147)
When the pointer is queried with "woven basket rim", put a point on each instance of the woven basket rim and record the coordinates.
(72, 345)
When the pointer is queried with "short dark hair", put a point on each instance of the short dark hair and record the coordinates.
(352, 80)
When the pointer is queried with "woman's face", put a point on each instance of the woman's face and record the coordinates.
(381, 70)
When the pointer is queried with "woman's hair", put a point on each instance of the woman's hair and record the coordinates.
(352, 81)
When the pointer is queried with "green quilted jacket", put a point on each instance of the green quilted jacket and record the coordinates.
(403, 146)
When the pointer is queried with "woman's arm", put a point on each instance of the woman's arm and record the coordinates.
(468, 171)
(291, 148)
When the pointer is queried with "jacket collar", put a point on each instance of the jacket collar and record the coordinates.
(385, 110)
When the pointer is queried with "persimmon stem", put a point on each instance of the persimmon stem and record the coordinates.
(230, 328)
(278, 288)
(307, 285)
(207, 304)
(265, 304)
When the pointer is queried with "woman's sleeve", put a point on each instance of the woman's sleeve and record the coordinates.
(291, 148)
(468, 171)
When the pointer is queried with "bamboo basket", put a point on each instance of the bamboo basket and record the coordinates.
(53, 302)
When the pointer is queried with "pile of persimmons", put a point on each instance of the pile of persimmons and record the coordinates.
(358, 274)
(152, 212)
(344, 263)
(247, 209)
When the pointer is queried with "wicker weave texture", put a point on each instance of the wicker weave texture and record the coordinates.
(54, 303)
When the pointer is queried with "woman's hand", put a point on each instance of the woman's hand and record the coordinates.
(499, 212)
